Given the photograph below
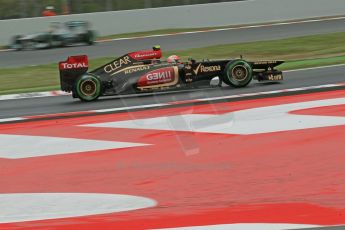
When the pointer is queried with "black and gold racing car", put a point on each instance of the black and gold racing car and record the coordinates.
(143, 71)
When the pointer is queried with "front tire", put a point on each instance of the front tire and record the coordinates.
(88, 88)
(238, 73)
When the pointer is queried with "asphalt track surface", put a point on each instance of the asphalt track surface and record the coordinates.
(64, 104)
(174, 42)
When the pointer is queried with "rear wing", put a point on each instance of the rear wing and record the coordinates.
(71, 69)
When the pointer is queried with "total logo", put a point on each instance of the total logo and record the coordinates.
(205, 69)
(73, 65)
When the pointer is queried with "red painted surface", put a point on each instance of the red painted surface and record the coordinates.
(196, 178)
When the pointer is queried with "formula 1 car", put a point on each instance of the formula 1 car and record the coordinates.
(143, 71)
(59, 35)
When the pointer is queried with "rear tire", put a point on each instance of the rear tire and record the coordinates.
(88, 88)
(238, 73)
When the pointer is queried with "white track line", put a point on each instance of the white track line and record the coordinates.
(271, 92)
(2, 120)
(312, 68)
(128, 108)
(33, 95)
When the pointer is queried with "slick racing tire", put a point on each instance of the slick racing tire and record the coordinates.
(88, 88)
(238, 73)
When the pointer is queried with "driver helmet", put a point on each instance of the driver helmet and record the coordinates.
(50, 8)
(173, 59)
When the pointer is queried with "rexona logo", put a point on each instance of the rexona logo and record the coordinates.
(157, 77)
(73, 65)
(117, 64)
(205, 69)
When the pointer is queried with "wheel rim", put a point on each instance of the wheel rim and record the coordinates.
(239, 73)
(88, 87)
